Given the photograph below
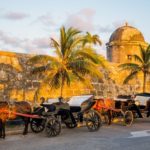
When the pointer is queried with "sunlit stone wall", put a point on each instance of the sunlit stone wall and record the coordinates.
(125, 42)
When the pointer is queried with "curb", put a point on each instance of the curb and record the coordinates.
(14, 132)
(20, 131)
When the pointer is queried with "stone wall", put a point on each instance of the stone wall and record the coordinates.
(23, 87)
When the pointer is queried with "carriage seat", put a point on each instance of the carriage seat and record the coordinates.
(74, 109)
(50, 107)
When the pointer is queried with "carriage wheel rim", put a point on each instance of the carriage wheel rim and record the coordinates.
(93, 122)
(128, 118)
(53, 128)
(37, 126)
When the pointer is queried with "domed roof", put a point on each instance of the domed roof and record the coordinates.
(126, 33)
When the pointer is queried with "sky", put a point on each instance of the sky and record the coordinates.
(27, 25)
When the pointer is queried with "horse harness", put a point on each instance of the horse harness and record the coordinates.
(8, 111)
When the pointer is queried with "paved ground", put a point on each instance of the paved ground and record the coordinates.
(114, 137)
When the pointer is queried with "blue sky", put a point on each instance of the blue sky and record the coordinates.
(27, 25)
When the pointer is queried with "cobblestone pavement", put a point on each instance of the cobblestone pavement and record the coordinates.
(114, 137)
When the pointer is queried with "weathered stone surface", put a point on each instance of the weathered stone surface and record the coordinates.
(123, 43)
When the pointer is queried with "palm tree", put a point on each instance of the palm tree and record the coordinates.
(142, 65)
(73, 61)
(92, 39)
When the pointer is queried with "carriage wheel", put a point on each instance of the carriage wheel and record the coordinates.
(71, 125)
(106, 119)
(53, 127)
(37, 125)
(128, 118)
(93, 121)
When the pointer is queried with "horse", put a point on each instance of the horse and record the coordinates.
(104, 107)
(7, 112)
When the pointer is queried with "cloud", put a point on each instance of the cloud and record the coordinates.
(15, 15)
(82, 20)
(46, 19)
(37, 45)
(105, 29)
(41, 42)
(7, 39)
(111, 27)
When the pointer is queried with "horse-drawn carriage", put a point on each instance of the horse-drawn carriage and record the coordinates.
(122, 111)
(142, 105)
(137, 106)
(55, 112)
(112, 110)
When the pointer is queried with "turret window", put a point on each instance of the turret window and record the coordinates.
(129, 57)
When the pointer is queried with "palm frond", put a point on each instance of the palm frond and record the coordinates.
(55, 81)
(142, 52)
(41, 58)
(94, 71)
(147, 59)
(54, 43)
(56, 46)
(130, 77)
(40, 69)
(79, 66)
(72, 41)
(67, 77)
(73, 45)
(63, 40)
(71, 32)
(93, 39)
(45, 68)
(58, 53)
(90, 54)
(78, 76)
(85, 67)
(137, 58)
(129, 66)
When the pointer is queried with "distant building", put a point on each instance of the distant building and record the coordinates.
(123, 43)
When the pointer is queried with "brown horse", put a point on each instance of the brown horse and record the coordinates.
(7, 113)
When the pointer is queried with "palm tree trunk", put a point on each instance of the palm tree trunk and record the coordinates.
(144, 82)
(62, 86)
(36, 97)
(24, 94)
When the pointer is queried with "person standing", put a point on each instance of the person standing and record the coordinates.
(134, 107)
(148, 107)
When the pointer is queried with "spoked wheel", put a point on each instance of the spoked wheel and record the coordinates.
(37, 125)
(53, 127)
(93, 121)
(128, 118)
(106, 119)
(71, 125)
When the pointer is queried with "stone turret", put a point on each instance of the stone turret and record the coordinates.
(123, 43)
